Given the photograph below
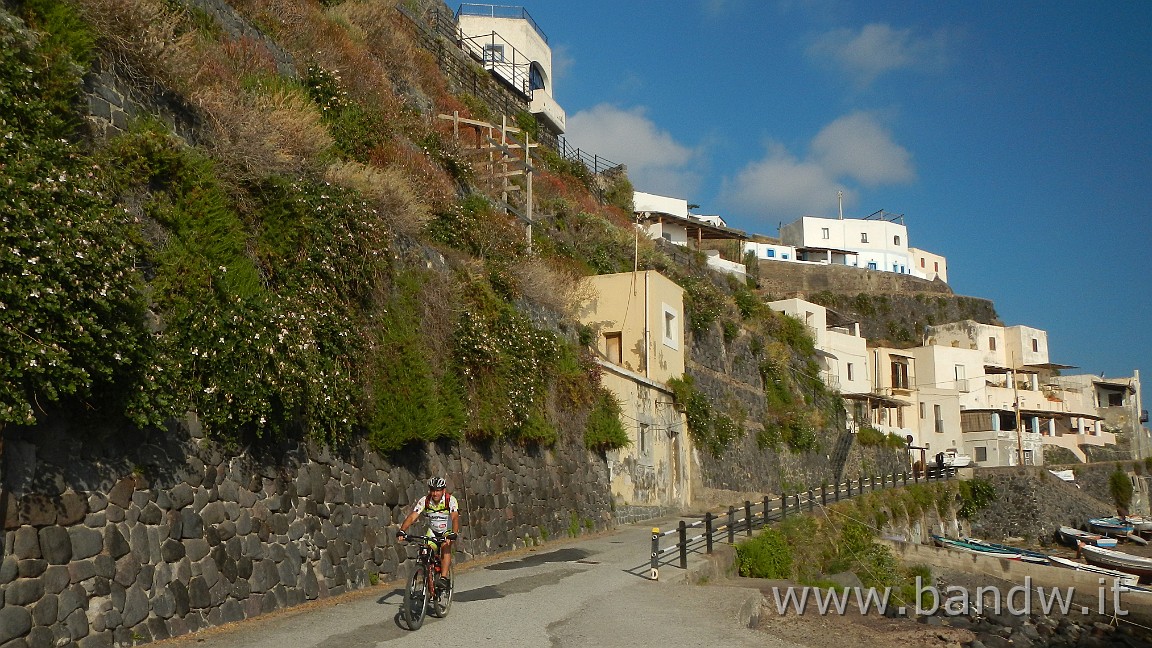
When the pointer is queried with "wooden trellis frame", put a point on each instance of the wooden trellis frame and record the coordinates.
(505, 153)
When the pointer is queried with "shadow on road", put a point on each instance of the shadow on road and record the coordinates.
(560, 555)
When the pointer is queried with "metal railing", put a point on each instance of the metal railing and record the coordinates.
(501, 11)
(729, 525)
(594, 163)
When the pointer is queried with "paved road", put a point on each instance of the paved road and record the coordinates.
(579, 593)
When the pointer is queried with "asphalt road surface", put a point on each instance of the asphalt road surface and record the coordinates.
(591, 592)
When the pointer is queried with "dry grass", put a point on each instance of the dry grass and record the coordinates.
(148, 37)
(260, 134)
(552, 286)
(389, 188)
(428, 181)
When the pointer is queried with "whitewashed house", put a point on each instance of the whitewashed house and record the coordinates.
(879, 243)
(668, 218)
(508, 43)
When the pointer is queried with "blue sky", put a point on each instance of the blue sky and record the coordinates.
(1014, 137)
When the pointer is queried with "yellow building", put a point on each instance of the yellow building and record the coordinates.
(638, 319)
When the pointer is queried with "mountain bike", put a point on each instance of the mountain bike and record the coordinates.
(423, 595)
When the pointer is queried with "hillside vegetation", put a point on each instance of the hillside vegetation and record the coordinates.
(319, 260)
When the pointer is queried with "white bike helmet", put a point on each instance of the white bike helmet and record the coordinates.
(436, 483)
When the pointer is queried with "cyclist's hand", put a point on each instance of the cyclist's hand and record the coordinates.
(451, 535)
(401, 536)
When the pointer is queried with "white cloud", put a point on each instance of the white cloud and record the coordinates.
(782, 185)
(854, 149)
(878, 48)
(657, 163)
(857, 146)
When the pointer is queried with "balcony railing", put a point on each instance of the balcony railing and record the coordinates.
(500, 11)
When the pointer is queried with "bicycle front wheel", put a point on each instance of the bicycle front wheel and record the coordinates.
(416, 598)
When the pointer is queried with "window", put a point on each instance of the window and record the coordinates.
(644, 449)
(493, 53)
(936, 266)
(900, 374)
(896, 241)
(921, 410)
(981, 453)
(671, 328)
(871, 265)
(991, 344)
(1035, 345)
(921, 262)
(771, 253)
(850, 371)
(824, 234)
(614, 347)
(863, 237)
(535, 77)
(961, 374)
(784, 256)
(899, 417)
(1115, 400)
(939, 416)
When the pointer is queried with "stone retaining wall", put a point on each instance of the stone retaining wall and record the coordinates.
(1032, 503)
(157, 534)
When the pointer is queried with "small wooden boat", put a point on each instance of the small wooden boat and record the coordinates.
(972, 547)
(1124, 577)
(1027, 555)
(1073, 537)
(1118, 560)
(1112, 527)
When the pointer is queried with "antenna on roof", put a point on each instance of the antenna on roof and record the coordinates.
(840, 201)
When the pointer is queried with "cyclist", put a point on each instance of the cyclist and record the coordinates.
(443, 513)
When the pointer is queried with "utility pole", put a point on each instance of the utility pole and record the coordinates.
(1016, 407)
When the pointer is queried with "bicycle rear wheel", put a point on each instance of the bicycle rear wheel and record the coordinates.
(416, 598)
(443, 600)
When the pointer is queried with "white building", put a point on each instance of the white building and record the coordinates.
(668, 218)
(509, 44)
(871, 243)
(770, 251)
(1009, 412)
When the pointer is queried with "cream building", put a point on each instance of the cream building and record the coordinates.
(843, 353)
(928, 265)
(639, 322)
(1010, 411)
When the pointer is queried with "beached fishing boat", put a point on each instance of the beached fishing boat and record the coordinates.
(1124, 577)
(973, 547)
(1027, 555)
(1073, 537)
(1112, 527)
(1118, 560)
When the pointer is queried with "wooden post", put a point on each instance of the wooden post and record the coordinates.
(748, 516)
(683, 545)
(708, 530)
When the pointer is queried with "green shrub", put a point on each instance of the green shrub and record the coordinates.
(712, 431)
(1120, 487)
(604, 431)
(766, 555)
(869, 436)
(975, 494)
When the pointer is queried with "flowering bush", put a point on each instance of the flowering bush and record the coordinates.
(71, 310)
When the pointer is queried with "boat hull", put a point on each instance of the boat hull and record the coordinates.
(1137, 565)
(1124, 577)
